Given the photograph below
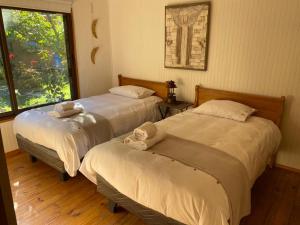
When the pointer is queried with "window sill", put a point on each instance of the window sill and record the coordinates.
(7, 118)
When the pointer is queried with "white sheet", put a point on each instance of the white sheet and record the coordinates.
(71, 144)
(174, 189)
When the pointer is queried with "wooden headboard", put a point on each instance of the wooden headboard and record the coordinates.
(267, 107)
(160, 88)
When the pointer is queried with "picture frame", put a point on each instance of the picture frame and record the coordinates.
(187, 36)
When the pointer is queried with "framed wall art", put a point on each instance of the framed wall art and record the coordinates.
(186, 36)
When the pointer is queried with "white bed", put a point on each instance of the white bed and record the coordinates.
(176, 191)
(70, 143)
(173, 192)
(119, 115)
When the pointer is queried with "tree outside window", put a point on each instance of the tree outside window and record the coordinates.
(38, 56)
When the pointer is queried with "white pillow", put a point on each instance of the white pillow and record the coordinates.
(132, 91)
(226, 109)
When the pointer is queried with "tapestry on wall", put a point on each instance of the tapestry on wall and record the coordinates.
(186, 37)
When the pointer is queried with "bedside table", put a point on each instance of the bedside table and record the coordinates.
(165, 108)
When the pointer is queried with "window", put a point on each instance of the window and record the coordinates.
(36, 68)
(5, 104)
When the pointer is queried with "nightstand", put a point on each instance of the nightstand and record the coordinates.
(179, 106)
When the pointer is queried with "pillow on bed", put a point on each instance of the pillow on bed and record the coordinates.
(132, 91)
(225, 109)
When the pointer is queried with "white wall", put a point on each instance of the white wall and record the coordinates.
(254, 47)
(93, 79)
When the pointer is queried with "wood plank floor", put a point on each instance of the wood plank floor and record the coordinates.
(40, 198)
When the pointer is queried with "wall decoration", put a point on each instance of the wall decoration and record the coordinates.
(94, 28)
(94, 34)
(93, 54)
(186, 36)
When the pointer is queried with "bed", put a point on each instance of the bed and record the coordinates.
(61, 144)
(164, 191)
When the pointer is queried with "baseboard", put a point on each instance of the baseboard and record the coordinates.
(13, 153)
(287, 168)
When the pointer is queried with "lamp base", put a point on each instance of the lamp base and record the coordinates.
(171, 99)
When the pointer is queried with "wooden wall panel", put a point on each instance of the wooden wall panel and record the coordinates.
(254, 48)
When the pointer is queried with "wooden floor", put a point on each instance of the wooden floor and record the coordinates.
(40, 198)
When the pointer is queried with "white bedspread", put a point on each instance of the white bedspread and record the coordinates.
(173, 189)
(71, 143)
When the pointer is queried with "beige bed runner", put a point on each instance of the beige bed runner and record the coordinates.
(96, 127)
(227, 170)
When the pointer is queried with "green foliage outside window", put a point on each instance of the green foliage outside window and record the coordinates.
(38, 58)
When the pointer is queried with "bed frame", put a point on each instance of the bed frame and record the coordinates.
(50, 157)
(267, 107)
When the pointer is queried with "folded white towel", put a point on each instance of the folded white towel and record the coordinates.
(62, 114)
(145, 131)
(132, 141)
(64, 106)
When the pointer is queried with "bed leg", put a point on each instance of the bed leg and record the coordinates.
(112, 206)
(64, 176)
(33, 159)
(272, 162)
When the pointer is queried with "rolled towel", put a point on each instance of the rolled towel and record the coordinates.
(64, 106)
(62, 114)
(133, 142)
(145, 131)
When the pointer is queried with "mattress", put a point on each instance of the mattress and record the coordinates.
(174, 189)
(71, 143)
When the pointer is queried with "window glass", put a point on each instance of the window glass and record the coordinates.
(38, 56)
(5, 105)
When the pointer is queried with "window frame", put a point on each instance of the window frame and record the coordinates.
(70, 51)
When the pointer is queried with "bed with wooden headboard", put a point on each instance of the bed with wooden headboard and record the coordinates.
(50, 156)
(270, 108)
(267, 107)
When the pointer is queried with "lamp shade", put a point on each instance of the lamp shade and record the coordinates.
(171, 84)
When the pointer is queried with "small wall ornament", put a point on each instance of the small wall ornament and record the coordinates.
(94, 28)
(93, 54)
(94, 34)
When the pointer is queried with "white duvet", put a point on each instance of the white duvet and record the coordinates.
(173, 189)
(71, 143)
